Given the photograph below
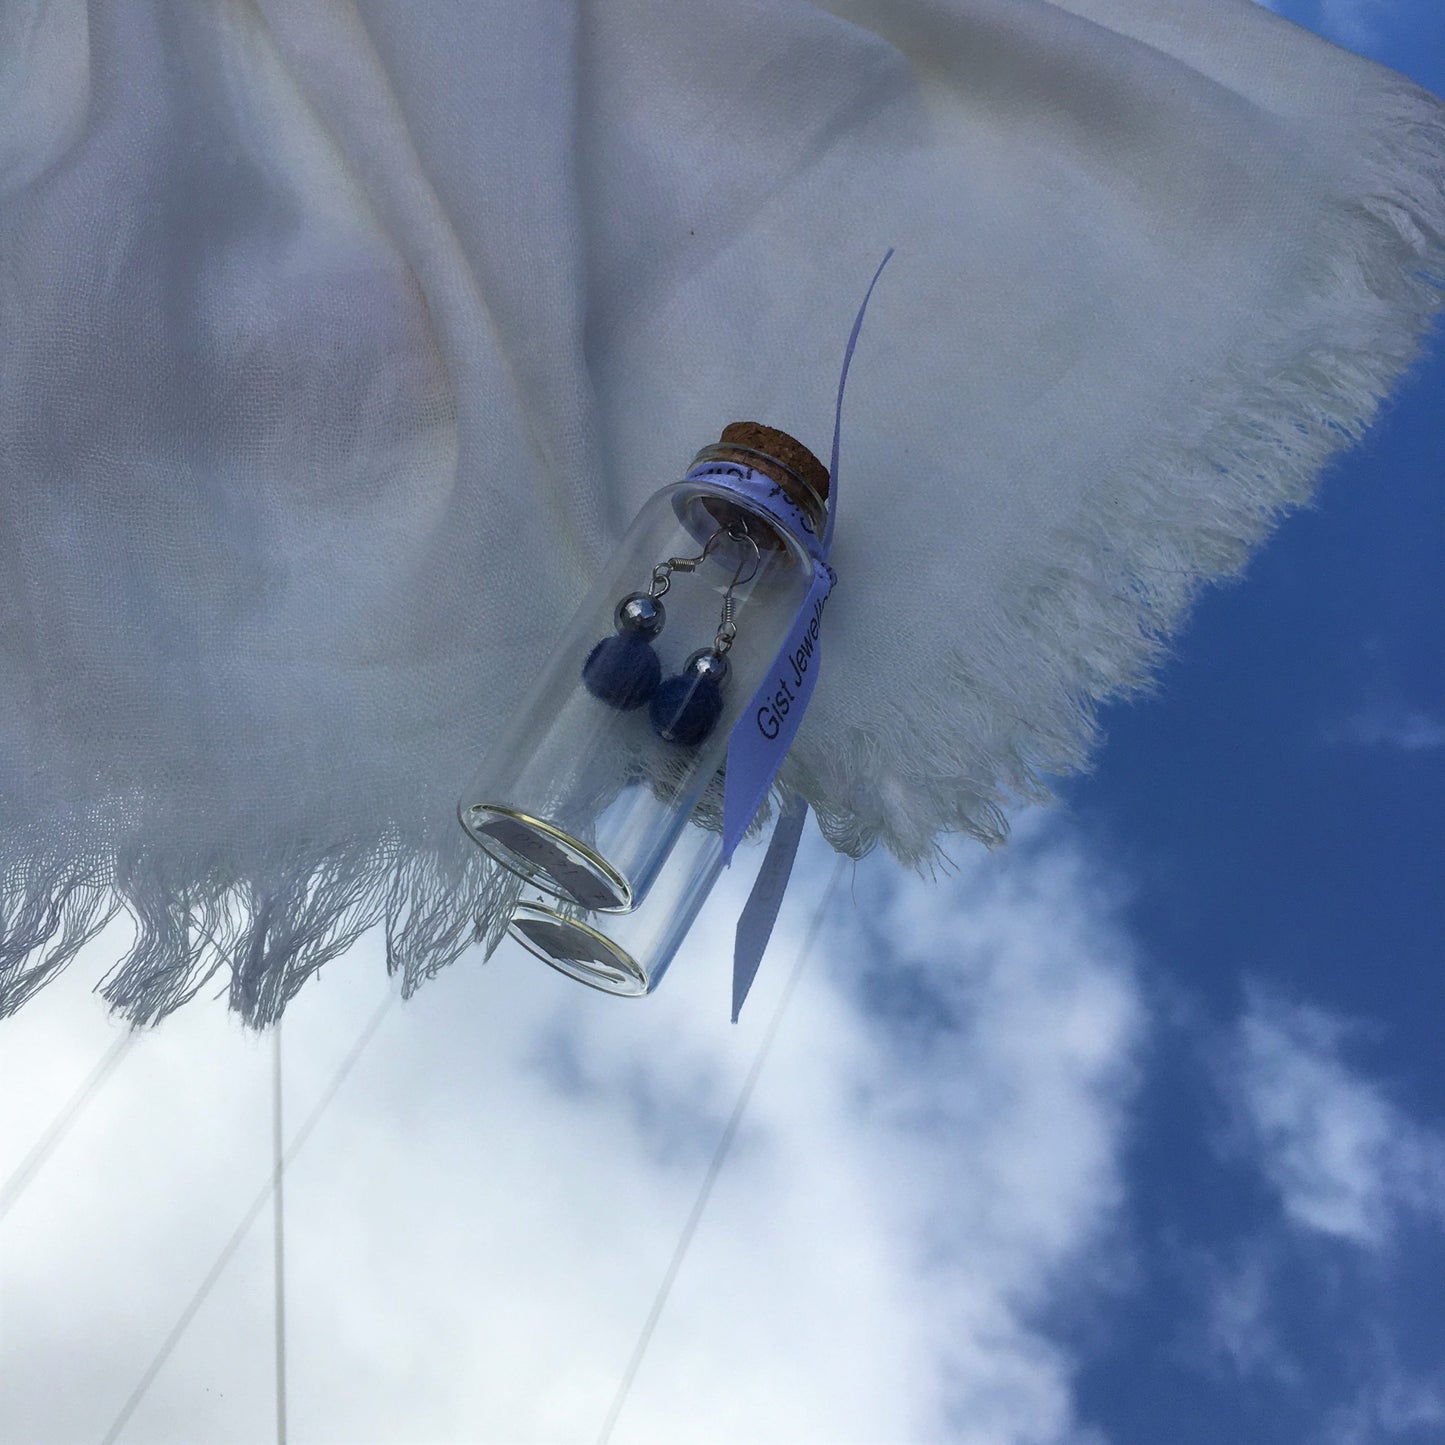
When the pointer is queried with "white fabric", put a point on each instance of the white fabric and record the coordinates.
(339, 341)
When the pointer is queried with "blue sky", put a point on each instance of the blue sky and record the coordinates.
(1131, 1135)
(1277, 809)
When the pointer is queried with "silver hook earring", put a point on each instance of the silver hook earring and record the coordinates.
(685, 709)
(623, 670)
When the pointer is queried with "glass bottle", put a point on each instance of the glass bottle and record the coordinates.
(613, 744)
(628, 953)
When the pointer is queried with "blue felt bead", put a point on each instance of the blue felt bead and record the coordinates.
(685, 709)
(622, 671)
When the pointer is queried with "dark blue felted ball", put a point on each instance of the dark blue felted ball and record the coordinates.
(685, 709)
(622, 671)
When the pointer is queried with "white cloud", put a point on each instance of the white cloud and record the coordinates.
(478, 1226)
(1242, 1296)
(1355, 24)
(1347, 1165)
(1392, 1404)
(1405, 729)
(1343, 1158)
(1364, 1396)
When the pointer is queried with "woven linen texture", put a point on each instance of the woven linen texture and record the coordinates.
(340, 341)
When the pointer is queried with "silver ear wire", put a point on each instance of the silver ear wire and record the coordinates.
(662, 573)
(727, 629)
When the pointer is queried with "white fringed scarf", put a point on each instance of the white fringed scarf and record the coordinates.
(340, 341)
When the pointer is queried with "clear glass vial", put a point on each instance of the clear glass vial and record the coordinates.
(628, 953)
(613, 744)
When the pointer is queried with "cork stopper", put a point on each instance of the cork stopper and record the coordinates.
(785, 459)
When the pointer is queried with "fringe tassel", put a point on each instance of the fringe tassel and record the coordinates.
(1100, 609)
(268, 932)
(1098, 612)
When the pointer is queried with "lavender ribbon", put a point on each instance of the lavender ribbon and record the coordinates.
(760, 738)
(762, 735)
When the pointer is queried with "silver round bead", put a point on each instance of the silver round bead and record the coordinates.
(640, 614)
(706, 663)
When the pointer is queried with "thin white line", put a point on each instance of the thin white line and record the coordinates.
(247, 1220)
(719, 1157)
(279, 1221)
(49, 1141)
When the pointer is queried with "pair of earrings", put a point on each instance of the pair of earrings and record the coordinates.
(625, 672)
